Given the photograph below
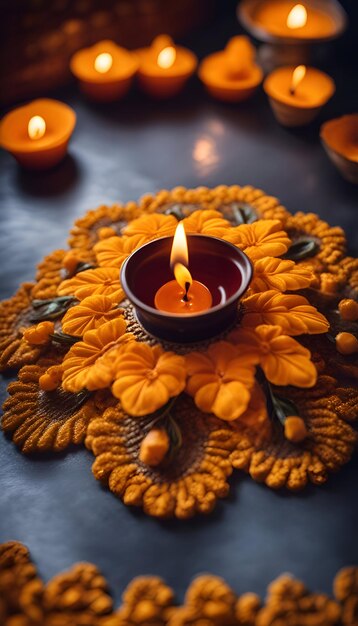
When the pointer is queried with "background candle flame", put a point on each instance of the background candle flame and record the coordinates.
(297, 17)
(297, 77)
(166, 57)
(36, 127)
(103, 62)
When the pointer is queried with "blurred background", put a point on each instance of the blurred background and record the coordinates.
(40, 36)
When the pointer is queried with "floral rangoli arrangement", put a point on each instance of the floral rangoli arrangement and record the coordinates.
(80, 596)
(275, 395)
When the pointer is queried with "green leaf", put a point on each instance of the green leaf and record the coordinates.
(303, 248)
(65, 339)
(277, 406)
(51, 309)
(82, 267)
(243, 213)
(283, 408)
(177, 211)
(175, 435)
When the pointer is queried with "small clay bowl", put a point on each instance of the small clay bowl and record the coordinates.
(218, 264)
(339, 138)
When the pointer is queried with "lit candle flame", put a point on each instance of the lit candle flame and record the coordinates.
(166, 57)
(179, 259)
(297, 77)
(103, 62)
(183, 278)
(36, 127)
(297, 17)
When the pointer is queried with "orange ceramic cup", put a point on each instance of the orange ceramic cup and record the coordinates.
(165, 68)
(303, 106)
(43, 152)
(232, 74)
(105, 71)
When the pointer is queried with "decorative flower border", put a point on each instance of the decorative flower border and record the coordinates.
(167, 423)
(80, 596)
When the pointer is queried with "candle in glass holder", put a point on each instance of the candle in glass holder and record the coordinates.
(296, 95)
(164, 67)
(37, 134)
(232, 74)
(105, 71)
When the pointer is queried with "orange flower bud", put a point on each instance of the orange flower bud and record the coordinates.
(51, 379)
(346, 343)
(40, 334)
(154, 447)
(295, 429)
(70, 261)
(348, 309)
(105, 232)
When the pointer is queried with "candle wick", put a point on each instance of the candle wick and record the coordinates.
(292, 91)
(186, 297)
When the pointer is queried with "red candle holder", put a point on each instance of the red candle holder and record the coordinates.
(216, 263)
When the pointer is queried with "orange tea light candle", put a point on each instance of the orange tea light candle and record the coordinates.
(164, 67)
(37, 134)
(296, 95)
(182, 295)
(105, 71)
(232, 74)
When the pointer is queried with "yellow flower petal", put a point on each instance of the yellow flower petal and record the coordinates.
(220, 380)
(152, 226)
(91, 313)
(84, 363)
(207, 222)
(112, 252)
(102, 281)
(292, 313)
(271, 273)
(147, 377)
(260, 239)
(283, 360)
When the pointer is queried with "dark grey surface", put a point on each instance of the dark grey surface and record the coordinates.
(119, 152)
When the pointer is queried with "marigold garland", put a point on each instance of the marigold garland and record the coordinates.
(75, 334)
(80, 596)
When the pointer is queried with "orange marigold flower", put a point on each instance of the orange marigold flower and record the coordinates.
(271, 273)
(207, 223)
(292, 312)
(102, 281)
(40, 334)
(220, 380)
(147, 377)
(91, 313)
(152, 226)
(112, 252)
(260, 239)
(89, 363)
(283, 360)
